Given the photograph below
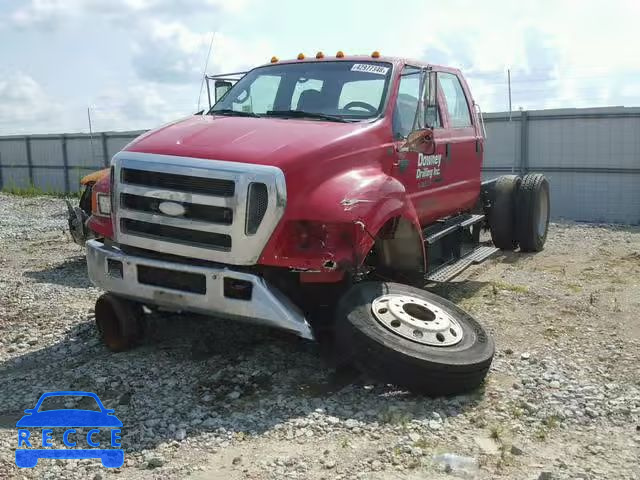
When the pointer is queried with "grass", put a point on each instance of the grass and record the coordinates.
(508, 287)
(32, 191)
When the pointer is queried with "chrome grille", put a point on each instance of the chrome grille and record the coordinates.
(257, 202)
(180, 183)
(226, 211)
(193, 211)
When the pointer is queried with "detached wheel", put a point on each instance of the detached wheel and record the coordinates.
(533, 212)
(502, 217)
(119, 322)
(412, 338)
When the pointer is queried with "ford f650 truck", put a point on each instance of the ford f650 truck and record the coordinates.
(344, 182)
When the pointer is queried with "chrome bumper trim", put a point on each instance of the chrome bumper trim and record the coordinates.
(267, 305)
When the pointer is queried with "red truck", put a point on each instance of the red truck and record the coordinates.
(317, 195)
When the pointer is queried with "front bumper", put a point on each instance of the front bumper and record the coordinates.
(266, 305)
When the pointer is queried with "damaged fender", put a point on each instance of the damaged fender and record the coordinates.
(356, 204)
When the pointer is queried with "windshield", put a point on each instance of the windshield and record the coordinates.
(340, 90)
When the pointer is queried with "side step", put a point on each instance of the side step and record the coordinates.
(447, 272)
(439, 231)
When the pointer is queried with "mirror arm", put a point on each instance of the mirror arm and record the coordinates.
(209, 94)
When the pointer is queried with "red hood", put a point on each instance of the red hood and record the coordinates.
(266, 141)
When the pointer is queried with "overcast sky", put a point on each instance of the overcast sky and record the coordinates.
(138, 63)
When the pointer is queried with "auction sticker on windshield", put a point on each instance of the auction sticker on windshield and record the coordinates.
(368, 68)
(59, 427)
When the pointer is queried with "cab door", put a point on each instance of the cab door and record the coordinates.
(463, 161)
(421, 168)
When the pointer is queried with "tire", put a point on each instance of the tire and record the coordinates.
(502, 216)
(390, 358)
(533, 206)
(119, 322)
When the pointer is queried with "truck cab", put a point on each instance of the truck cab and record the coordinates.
(312, 172)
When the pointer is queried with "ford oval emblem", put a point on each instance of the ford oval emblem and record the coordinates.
(172, 208)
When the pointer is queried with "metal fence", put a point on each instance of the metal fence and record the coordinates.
(56, 162)
(591, 157)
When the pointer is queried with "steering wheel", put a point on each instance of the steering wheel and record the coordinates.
(365, 106)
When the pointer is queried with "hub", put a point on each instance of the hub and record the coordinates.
(417, 320)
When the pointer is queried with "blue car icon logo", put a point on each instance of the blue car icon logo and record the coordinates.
(100, 421)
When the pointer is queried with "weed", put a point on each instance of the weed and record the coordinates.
(505, 459)
(574, 288)
(497, 432)
(423, 443)
(541, 433)
(508, 287)
(516, 412)
(552, 421)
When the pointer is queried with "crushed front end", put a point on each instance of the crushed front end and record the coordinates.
(187, 234)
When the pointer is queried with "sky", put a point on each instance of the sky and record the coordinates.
(136, 64)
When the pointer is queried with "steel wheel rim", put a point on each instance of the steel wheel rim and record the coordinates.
(417, 319)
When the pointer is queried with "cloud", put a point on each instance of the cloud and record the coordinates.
(169, 52)
(140, 106)
(559, 54)
(24, 105)
(51, 14)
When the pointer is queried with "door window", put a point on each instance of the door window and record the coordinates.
(459, 115)
(407, 102)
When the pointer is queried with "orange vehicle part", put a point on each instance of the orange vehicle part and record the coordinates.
(94, 177)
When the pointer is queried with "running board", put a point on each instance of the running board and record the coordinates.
(446, 273)
(452, 225)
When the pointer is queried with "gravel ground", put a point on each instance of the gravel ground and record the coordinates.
(212, 399)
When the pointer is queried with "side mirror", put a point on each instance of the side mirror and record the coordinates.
(29, 411)
(421, 140)
(221, 88)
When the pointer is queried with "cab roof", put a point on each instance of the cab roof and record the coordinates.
(395, 61)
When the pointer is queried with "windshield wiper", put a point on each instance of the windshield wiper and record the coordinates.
(303, 114)
(237, 113)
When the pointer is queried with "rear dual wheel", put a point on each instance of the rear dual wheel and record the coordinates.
(519, 214)
(412, 338)
(532, 221)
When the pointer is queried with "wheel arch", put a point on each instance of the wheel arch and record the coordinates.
(396, 245)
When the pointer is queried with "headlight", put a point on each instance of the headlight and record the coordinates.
(102, 206)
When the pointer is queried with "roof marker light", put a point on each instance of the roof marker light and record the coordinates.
(319, 55)
(340, 54)
(301, 56)
(274, 59)
(375, 54)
